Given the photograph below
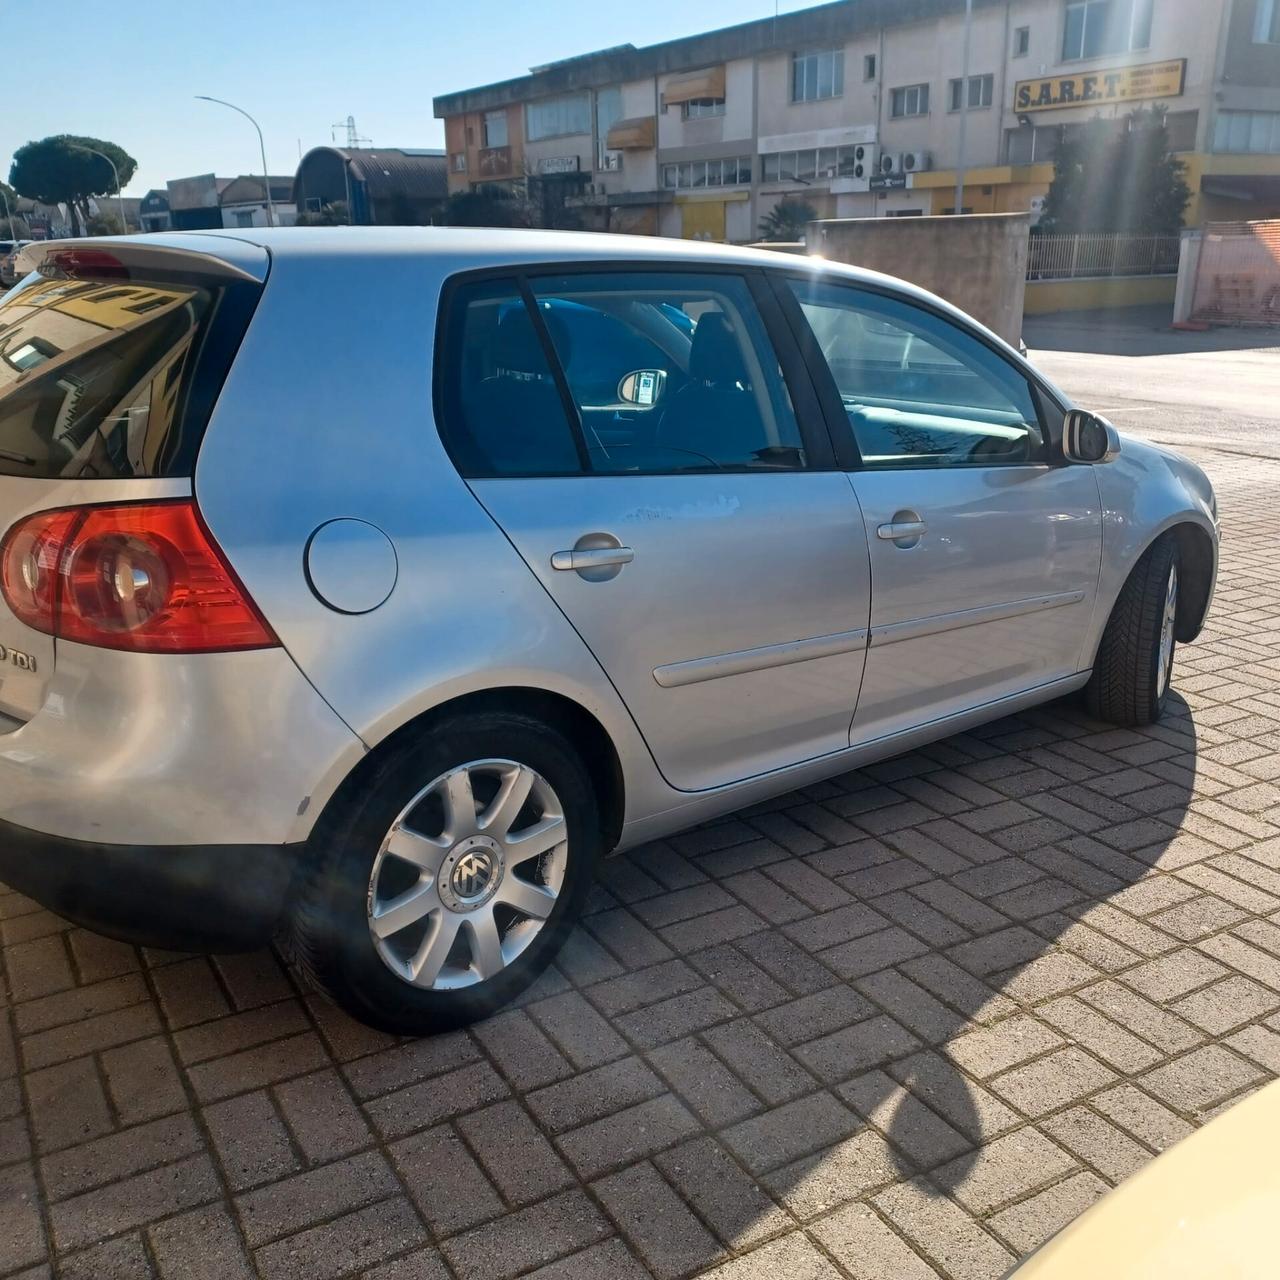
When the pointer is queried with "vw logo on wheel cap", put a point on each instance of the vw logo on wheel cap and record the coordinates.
(470, 873)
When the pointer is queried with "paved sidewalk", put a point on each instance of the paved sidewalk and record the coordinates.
(903, 1024)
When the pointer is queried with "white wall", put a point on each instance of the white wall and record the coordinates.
(286, 214)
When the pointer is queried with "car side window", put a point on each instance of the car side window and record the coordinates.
(670, 372)
(503, 412)
(918, 390)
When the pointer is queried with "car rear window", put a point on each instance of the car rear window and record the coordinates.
(114, 375)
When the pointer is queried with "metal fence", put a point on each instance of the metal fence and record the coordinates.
(1101, 254)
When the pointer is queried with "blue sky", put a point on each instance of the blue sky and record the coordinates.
(128, 73)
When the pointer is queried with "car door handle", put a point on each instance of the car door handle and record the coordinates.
(899, 529)
(592, 558)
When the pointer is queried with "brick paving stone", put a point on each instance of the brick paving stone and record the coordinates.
(942, 1231)
(626, 1136)
(202, 1244)
(764, 1067)
(518, 1242)
(580, 1033)
(745, 983)
(421, 1264)
(68, 1104)
(522, 1052)
(1100, 1035)
(867, 1044)
(791, 1130)
(255, 1068)
(1097, 1142)
(423, 1104)
(612, 1259)
(107, 1159)
(704, 1083)
(345, 1244)
(793, 1256)
(644, 987)
(445, 1181)
(968, 1107)
(80, 1002)
(671, 1019)
(408, 1063)
(89, 1035)
(1004, 1170)
(1174, 975)
(1163, 1029)
(143, 1081)
(656, 1222)
(133, 1201)
(22, 1238)
(519, 1160)
(595, 1094)
(1226, 1005)
(124, 1258)
(861, 1243)
(323, 1119)
(915, 1129)
(814, 1015)
(306, 1198)
(1142, 1116)
(991, 1049)
(1027, 1225)
(735, 1207)
(1201, 1078)
(1039, 1087)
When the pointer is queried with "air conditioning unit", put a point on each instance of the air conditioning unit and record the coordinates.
(865, 160)
(890, 162)
(916, 161)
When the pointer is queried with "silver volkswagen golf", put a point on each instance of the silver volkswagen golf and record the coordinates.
(370, 585)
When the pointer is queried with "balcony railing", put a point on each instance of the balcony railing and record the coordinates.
(1101, 254)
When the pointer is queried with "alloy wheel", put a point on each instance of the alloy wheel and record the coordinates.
(468, 874)
(1167, 622)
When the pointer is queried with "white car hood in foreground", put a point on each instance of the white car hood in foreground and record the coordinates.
(1207, 1209)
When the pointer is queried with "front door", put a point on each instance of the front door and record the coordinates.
(634, 436)
(985, 549)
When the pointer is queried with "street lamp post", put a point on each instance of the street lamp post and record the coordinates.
(964, 103)
(115, 173)
(262, 147)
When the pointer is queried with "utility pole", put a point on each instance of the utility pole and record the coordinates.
(964, 103)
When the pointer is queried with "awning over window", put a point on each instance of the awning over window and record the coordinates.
(707, 83)
(638, 133)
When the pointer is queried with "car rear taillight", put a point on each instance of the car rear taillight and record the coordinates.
(144, 576)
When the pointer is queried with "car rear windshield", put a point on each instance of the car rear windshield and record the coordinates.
(114, 375)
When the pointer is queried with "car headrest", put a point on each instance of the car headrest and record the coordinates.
(715, 356)
(516, 348)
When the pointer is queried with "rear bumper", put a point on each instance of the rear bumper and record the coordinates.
(221, 897)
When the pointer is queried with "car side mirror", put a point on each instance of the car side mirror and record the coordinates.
(642, 388)
(1089, 437)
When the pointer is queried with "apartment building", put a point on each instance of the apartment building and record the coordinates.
(862, 108)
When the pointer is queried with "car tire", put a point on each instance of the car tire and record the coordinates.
(1131, 673)
(357, 887)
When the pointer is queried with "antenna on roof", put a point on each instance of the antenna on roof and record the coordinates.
(353, 137)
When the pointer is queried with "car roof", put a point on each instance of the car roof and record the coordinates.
(502, 244)
(470, 248)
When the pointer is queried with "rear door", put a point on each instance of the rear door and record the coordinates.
(685, 515)
(985, 547)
